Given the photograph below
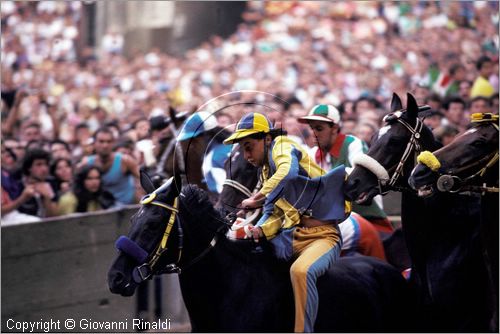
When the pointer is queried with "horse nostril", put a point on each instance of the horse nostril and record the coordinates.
(352, 183)
(118, 279)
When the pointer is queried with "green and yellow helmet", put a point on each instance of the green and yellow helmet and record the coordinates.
(248, 125)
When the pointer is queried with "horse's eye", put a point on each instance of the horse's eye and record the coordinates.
(479, 143)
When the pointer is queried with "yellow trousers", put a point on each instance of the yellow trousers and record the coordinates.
(315, 250)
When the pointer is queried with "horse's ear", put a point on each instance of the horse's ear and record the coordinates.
(396, 103)
(146, 182)
(172, 113)
(177, 118)
(411, 106)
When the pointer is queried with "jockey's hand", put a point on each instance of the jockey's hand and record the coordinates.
(249, 203)
(253, 202)
(256, 232)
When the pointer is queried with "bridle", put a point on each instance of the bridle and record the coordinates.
(238, 186)
(449, 181)
(242, 188)
(147, 262)
(386, 183)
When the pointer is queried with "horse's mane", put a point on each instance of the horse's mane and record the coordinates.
(198, 203)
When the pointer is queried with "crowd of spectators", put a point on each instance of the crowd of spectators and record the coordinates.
(353, 55)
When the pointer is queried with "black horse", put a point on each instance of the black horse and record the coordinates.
(228, 287)
(449, 277)
(469, 165)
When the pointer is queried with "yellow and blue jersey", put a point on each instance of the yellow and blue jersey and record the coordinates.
(295, 185)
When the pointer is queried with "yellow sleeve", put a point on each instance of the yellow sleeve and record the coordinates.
(287, 165)
(271, 225)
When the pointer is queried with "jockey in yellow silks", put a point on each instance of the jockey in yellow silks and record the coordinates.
(302, 206)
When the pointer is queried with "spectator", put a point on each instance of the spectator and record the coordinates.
(448, 83)
(60, 149)
(37, 197)
(144, 144)
(365, 103)
(62, 171)
(160, 132)
(445, 134)
(365, 131)
(480, 104)
(348, 127)
(119, 170)
(11, 179)
(494, 103)
(17, 147)
(82, 142)
(433, 101)
(433, 118)
(9, 124)
(371, 116)
(10, 214)
(482, 86)
(464, 88)
(141, 128)
(422, 91)
(113, 42)
(31, 132)
(88, 194)
(224, 120)
(125, 146)
(294, 130)
(40, 144)
(455, 113)
(8, 158)
(12, 188)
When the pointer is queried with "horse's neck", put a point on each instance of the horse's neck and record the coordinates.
(413, 214)
(194, 152)
(438, 227)
(165, 158)
(224, 277)
(226, 274)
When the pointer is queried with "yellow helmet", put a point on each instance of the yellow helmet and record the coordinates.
(248, 125)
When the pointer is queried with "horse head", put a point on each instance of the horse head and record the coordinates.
(390, 159)
(142, 251)
(467, 161)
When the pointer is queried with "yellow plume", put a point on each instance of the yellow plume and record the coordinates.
(483, 117)
(430, 160)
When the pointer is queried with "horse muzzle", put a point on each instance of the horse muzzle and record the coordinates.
(423, 180)
(119, 284)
